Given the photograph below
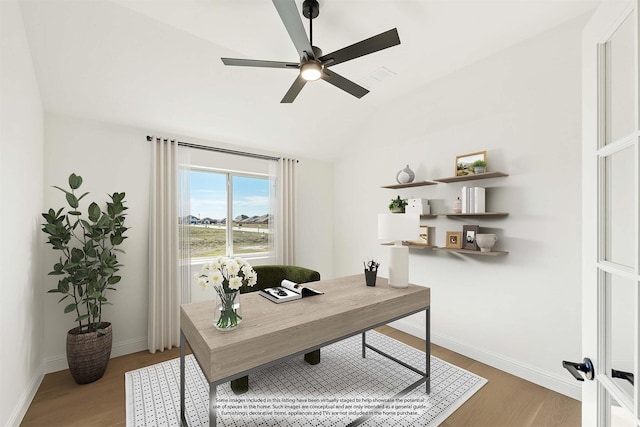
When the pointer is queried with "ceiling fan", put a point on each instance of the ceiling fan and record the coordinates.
(313, 64)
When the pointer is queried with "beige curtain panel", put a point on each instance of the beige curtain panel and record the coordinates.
(286, 220)
(164, 272)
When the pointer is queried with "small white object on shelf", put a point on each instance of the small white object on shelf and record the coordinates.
(405, 176)
(477, 202)
(473, 200)
(486, 241)
(418, 206)
(457, 205)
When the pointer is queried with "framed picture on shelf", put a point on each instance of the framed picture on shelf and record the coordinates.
(469, 233)
(454, 240)
(464, 162)
(424, 234)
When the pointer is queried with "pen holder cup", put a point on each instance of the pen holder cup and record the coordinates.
(370, 277)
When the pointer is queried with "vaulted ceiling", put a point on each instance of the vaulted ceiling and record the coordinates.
(156, 64)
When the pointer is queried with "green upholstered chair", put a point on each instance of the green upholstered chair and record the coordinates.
(270, 276)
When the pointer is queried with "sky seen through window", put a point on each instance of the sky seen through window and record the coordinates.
(209, 195)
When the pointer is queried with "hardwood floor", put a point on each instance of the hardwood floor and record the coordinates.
(505, 400)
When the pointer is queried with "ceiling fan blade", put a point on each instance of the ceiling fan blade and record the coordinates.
(345, 84)
(294, 90)
(373, 44)
(290, 16)
(258, 63)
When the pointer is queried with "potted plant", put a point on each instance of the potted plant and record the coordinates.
(479, 166)
(397, 205)
(88, 244)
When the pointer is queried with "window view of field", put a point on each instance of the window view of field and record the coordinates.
(210, 240)
(208, 228)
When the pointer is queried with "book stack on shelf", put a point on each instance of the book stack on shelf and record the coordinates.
(473, 200)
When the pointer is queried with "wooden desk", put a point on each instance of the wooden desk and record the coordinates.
(271, 332)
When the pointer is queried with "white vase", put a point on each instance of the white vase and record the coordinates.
(486, 241)
(405, 176)
(457, 206)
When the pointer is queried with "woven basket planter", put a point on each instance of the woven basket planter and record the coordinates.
(88, 354)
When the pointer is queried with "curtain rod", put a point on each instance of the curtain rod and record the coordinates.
(220, 150)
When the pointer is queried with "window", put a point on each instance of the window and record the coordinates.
(251, 216)
(229, 214)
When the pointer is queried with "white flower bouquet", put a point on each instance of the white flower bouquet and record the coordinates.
(227, 275)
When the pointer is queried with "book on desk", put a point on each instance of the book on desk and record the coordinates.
(288, 291)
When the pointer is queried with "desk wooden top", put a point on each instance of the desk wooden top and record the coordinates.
(270, 331)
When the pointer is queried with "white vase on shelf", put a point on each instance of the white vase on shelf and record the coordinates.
(457, 206)
(486, 241)
(405, 176)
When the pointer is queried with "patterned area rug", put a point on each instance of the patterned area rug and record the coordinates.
(333, 393)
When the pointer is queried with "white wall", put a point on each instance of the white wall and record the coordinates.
(109, 158)
(113, 157)
(314, 233)
(21, 188)
(521, 312)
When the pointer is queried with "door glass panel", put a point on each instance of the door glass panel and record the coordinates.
(616, 234)
(620, 417)
(622, 294)
(619, 180)
(621, 85)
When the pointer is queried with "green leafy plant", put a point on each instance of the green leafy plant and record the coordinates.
(479, 164)
(88, 247)
(398, 203)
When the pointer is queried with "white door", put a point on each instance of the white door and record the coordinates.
(610, 159)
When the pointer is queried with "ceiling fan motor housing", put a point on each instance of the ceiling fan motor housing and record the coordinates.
(310, 9)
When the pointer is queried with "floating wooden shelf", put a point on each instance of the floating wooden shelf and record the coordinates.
(411, 184)
(472, 177)
(418, 245)
(411, 245)
(483, 214)
(471, 252)
(460, 251)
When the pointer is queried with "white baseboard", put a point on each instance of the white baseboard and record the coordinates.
(566, 386)
(59, 363)
(25, 400)
(411, 327)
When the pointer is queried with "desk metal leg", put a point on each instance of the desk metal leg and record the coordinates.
(212, 404)
(183, 420)
(425, 376)
(364, 346)
(427, 315)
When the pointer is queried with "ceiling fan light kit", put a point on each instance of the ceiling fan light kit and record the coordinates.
(311, 70)
(313, 64)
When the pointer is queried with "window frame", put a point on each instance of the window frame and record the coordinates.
(229, 174)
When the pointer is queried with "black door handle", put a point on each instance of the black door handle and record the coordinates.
(624, 375)
(586, 367)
